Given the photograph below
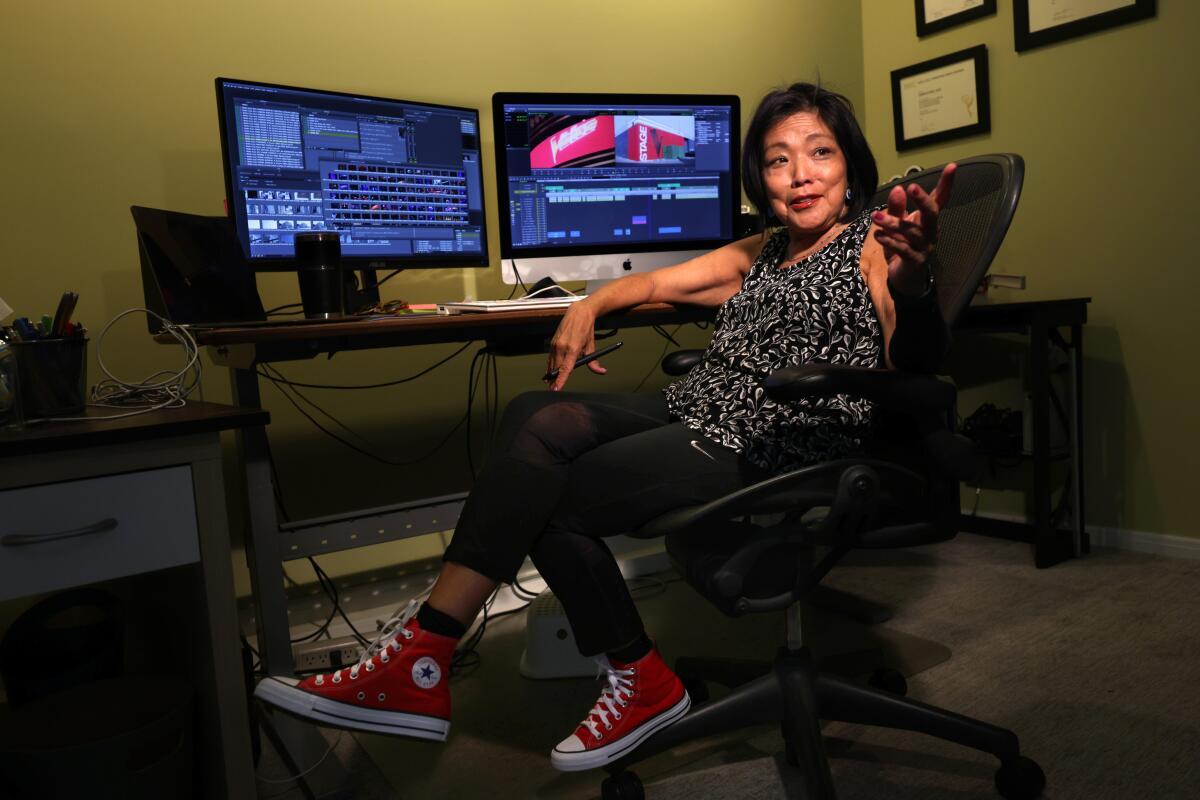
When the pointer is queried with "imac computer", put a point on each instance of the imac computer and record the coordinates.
(596, 186)
(399, 181)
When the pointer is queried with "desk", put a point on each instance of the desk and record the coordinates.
(159, 476)
(269, 543)
(1041, 321)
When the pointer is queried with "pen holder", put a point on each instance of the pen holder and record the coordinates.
(10, 393)
(53, 376)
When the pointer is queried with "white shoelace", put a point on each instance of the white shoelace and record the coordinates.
(615, 695)
(386, 642)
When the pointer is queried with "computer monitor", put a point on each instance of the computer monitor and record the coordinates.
(399, 180)
(595, 186)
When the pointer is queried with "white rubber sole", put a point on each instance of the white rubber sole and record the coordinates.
(283, 694)
(591, 759)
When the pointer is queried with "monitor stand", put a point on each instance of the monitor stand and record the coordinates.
(363, 292)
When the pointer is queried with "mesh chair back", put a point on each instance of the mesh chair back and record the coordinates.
(973, 225)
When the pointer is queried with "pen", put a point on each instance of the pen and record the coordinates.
(62, 314)
(552, 374)
(25, 330)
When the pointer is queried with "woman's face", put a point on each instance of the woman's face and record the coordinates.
(804, 174)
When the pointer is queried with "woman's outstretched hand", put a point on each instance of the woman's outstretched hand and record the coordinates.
(575, 337)
(908, 238)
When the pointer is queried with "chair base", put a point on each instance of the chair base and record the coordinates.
(847, 604)
(794, 694)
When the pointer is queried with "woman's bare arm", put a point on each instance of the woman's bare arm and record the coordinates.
(708, 280)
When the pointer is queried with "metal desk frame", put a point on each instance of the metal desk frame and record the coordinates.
(1041, 321)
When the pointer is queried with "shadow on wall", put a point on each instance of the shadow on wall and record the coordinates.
(993, 369)
(1112, 441)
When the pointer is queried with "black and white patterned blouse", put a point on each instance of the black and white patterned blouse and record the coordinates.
(816, 311)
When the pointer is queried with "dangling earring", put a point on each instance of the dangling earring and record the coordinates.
(849, 194)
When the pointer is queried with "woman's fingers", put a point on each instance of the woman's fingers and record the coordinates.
(896, 203)
(575, 336)
(902, 249)
(941, 192)
(910, 230)
(562, 358)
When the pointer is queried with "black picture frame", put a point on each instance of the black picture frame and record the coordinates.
(977, 55)
(925, 28)
(1027, 40)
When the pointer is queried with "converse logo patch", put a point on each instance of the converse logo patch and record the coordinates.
(426, 673)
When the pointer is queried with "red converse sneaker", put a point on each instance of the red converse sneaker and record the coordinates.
(399, 686)
(641, 698)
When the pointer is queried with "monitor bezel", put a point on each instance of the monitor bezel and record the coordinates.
(288, 264)
(499, 99)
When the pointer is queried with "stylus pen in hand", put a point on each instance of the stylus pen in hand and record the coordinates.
(552, 374)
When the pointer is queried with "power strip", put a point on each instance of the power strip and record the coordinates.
(327, 654)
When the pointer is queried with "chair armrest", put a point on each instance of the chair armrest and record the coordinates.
(928, 400)
(681, 362)
(908, 392)
(804, 487)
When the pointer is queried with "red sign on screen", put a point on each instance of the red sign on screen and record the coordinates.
(589, 136)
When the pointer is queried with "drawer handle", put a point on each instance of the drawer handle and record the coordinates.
(15, 539)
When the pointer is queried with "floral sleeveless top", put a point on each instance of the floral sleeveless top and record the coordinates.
(816, 311)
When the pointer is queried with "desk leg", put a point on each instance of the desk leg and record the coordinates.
(1051, 545)
(300, 744)
(1082, 542)
(1039, 380)
(262, 543)
(224, 697)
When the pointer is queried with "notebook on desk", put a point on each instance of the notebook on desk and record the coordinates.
(195, 274)
(517, 304)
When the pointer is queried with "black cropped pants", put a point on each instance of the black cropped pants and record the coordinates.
(569, 469)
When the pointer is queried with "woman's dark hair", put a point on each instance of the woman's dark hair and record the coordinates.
(862, 176)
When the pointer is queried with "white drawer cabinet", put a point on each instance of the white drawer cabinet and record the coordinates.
(57, 535)
(83, 502)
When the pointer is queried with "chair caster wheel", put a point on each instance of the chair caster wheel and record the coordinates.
(696, 689)
(622, 786)
(888, 680)
(1020, 779)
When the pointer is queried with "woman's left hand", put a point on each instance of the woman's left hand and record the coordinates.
(908, 238)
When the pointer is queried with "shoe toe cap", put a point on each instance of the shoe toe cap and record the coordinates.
(571, 744)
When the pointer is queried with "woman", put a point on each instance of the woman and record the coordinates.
(837, 283)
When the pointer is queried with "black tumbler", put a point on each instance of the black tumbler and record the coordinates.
(318, 262)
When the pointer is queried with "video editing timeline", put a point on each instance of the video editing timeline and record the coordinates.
(587, 176)
(395, 179)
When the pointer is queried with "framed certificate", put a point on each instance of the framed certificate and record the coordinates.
(941, 99)
(1041, 22)
(937, 15)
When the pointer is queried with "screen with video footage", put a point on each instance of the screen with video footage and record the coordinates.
(588, 173)
(399, 181)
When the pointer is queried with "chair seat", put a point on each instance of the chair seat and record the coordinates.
(699, 554)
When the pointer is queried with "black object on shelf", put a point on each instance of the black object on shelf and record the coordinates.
(997, 431)
(69, 639)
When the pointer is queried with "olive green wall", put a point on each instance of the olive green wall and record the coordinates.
(1107, 126)
(108, 105)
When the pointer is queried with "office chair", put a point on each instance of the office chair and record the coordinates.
(904, 492)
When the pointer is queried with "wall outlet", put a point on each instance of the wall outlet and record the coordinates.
(327, 654)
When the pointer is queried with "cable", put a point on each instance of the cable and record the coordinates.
(396, 382)
(277, 309)
(331, 590)
(280, 383)
(520, 591)
(520, 283)
(389, 276)
(151, 393)
(658, 361)
(472, 386)
(337, 740)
